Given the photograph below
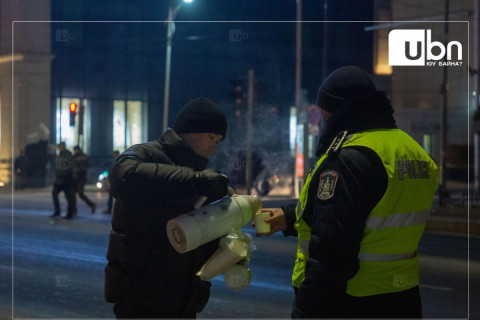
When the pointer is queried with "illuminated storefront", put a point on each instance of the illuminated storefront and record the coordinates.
(128, 123)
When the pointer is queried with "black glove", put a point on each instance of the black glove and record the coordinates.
(199, 299)
(211, 183)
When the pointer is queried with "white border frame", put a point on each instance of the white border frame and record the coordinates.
(242, 21)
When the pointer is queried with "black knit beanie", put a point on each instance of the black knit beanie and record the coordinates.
(201, 115)
(342, 86)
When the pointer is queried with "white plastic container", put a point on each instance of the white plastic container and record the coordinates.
(191, 230)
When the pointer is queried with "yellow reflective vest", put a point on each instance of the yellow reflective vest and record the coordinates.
(388, 251)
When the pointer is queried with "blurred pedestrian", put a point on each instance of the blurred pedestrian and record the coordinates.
(20, 167)
(152, 183)
(63, 181)
(80, 178)
(362, 210)
(115, 155)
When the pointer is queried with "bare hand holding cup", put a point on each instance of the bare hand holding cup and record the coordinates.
(273, 217)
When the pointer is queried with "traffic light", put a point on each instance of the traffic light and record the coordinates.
(238, 93)
(73, 113)
(240, 88)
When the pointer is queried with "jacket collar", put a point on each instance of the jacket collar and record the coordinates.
(180, 152)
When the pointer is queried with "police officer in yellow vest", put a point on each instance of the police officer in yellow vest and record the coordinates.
(362, 210)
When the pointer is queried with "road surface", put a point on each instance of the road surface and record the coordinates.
(56, 267)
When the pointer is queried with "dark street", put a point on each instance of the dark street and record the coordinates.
(366, 111)
(58, 268)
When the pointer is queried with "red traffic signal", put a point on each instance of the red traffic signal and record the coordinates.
(73, 113)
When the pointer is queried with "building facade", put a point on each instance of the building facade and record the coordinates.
(419, 93)
(25, 65)
(108, 58)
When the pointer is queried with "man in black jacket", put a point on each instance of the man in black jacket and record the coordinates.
(152, 183)
(80, 178)
(360, 215)
(63, 181)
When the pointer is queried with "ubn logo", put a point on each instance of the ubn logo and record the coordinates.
(66, 35)
(414, 47)
(236, 35)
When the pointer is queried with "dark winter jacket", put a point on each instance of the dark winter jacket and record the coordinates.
(63, 168)
(338, 224)
(152, 183)
(79, 171)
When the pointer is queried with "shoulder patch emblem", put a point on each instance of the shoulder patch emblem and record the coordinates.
(326, 188)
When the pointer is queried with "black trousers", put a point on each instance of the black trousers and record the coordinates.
(110, 201)
(141, 306)
(402, 304)
(20, 179)
(69, 195)
(144, 311)
(405, 304)
(80, 189)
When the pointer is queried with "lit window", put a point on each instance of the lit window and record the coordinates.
(128, 125)
(134, 126)
(119, 125)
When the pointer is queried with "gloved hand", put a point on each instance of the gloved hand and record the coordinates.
(199, 299)
(211, 183)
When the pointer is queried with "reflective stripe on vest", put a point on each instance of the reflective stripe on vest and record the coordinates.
(299, 209)
(304, 246)
(363, 256)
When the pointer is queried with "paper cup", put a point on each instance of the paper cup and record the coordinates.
(222, 259)
(260, 224)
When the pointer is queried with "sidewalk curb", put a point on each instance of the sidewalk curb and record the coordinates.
(452, 220)
(8, 190)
